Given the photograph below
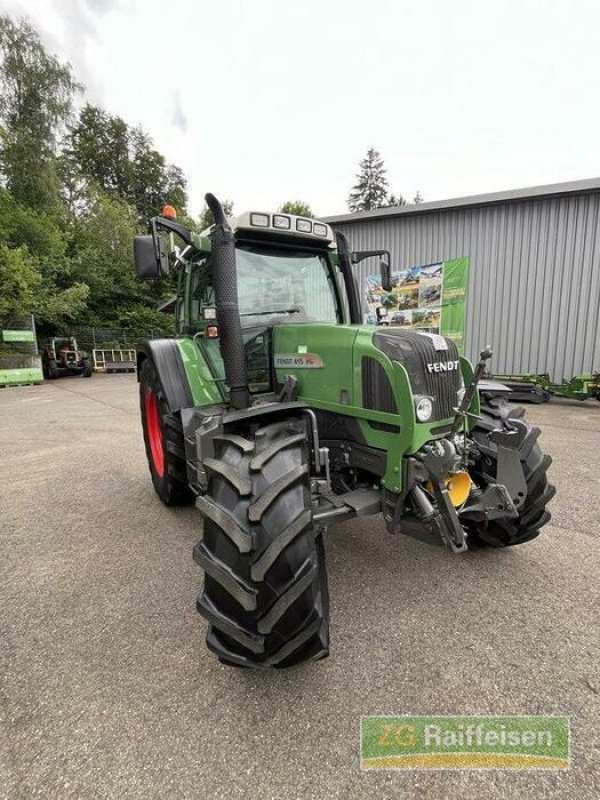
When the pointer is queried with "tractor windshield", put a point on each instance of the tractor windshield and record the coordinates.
(279, 285)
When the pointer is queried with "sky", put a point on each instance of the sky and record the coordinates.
(262, 102)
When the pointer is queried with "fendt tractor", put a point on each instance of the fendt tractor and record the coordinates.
(280, 414)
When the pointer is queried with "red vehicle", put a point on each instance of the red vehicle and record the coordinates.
(62, 357)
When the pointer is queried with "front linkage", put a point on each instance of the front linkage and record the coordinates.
(445, 502)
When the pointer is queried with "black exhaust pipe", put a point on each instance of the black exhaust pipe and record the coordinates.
(228, 311)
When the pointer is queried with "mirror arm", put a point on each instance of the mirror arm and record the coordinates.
(169, 225)
(385, 264)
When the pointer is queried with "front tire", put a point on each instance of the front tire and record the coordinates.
(53, 371)
(265, 586)
(496, 414)
(86, 368)
(163, 438)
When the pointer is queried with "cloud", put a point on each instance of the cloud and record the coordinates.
(179, 119)
(80, 29)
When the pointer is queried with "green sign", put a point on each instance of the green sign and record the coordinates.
(465, 743)
(18, 336)
(14, 377)
(430, 298)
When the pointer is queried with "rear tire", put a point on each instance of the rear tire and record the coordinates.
(163, 437)
(265, 586)
(496, 414)
(86, 368)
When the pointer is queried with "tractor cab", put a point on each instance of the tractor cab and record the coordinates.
(286, 274)
(66, 350)
(283, 270)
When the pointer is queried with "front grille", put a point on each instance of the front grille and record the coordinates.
(377, 393)
(415, 351)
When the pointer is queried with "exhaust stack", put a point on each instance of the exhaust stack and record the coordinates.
(228, 312)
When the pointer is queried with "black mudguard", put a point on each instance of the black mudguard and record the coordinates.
(166, 357)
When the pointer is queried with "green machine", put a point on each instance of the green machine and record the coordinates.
(540, 388)
(279, 414)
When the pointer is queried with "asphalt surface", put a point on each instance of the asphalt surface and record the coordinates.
(109, 692)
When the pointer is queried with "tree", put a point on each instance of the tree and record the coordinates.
(297, 207)
(395, 200)
(59, 308)
(206, 217)
(418, 198)
(176, 189)
(98, 150)
(371, 188)
(74, 194)
(36, 93)
(36, 273)
(103, 151)
(20, 281)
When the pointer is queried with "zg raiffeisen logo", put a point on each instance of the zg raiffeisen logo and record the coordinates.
(465, 742)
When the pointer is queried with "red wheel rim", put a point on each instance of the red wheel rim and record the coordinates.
(154, 428)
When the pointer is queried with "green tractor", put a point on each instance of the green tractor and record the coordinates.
(279, 414)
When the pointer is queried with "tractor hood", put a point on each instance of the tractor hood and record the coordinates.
(349, 365)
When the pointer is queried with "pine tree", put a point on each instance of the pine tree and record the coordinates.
(418, 198)
(395, 200)
(371, 189)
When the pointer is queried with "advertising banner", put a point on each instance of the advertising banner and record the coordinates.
(430, 298)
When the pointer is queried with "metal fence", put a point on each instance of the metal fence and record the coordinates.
(89, 339)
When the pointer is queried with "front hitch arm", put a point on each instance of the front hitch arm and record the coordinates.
(444, 519)
(506, 495)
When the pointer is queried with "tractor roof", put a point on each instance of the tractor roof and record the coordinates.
(282, 225)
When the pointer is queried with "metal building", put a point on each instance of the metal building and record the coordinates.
(534, 284)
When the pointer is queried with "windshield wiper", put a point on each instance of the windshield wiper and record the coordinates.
(293, 310)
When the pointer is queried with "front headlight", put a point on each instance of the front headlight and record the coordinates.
(424, 408)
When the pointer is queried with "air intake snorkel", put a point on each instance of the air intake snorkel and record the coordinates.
(228, 312)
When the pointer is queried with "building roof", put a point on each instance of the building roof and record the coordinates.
(586, 185)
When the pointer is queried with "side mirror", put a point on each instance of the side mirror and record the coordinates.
(384, 265)
(151, 257)
(386, 275)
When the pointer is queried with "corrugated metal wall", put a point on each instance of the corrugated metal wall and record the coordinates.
(534, 288)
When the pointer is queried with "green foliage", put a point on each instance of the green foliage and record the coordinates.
(76, 192)
(36, 93)
(104, 152)
(143, 318)
(102, 257)
(37, 230)
(297, 207)
(20, 282)
(58, 308)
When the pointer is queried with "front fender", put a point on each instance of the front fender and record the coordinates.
(166, 358)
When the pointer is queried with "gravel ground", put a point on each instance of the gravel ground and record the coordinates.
(108, 690)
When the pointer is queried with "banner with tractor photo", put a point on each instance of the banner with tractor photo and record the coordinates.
(431, 298)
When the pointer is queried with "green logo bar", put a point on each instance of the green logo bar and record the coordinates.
(465, 743)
